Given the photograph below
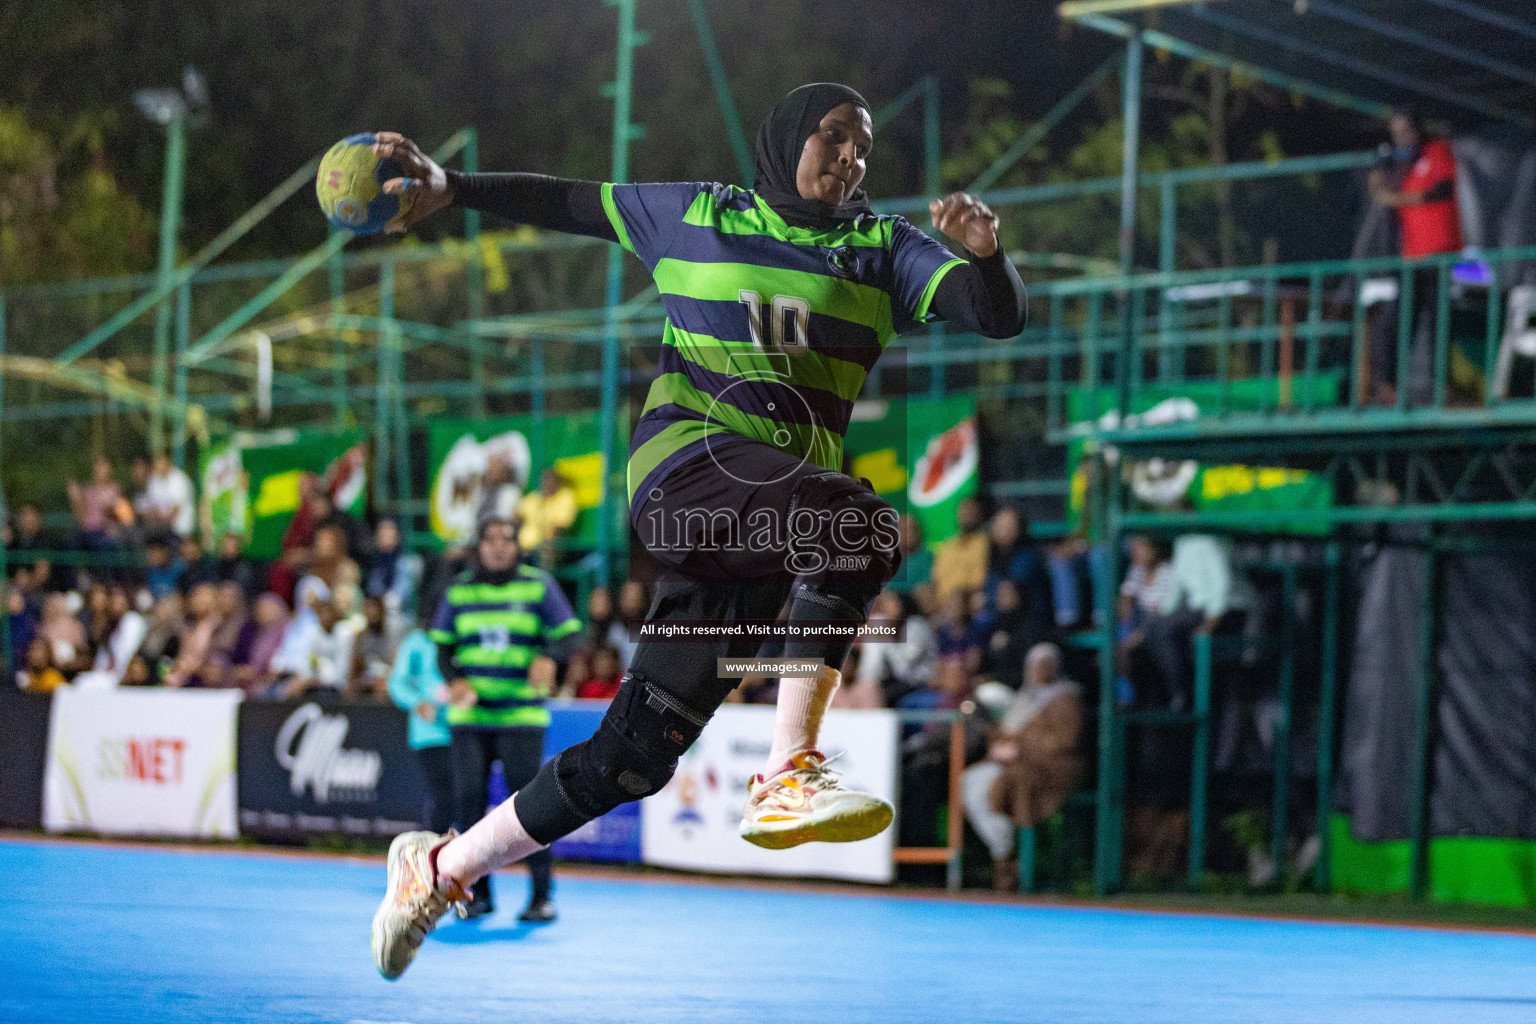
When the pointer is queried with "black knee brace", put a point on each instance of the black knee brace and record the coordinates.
(844, 543)
(632, 755)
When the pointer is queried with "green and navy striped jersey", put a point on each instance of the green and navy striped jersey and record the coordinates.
(771, 329)
(496, 630)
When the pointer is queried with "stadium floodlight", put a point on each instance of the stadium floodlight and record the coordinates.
(175, 110)
(161, 106)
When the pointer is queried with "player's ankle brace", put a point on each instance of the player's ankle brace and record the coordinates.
(632, 755)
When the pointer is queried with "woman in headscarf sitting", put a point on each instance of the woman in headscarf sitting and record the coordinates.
(1032, 764)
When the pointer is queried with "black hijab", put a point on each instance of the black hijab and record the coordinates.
(781, 140)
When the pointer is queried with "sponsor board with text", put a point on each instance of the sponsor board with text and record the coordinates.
(693, 822)
(141, 762)
(310, 767)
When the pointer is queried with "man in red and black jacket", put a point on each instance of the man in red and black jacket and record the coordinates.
(1418, 181)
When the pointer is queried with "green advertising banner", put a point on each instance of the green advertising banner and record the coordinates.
(920, 455)
(460, 450)
(225, 506)
(274, 472)
(1162, 483)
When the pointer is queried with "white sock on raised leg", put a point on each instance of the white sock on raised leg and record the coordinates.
(797, 722)
(496, 840)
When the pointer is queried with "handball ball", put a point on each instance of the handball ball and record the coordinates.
(350, 186)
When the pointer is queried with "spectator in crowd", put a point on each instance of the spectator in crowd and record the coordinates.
(372, 653)
(22, 623)
(229, 564)
(416, 685)
(170, 504)
(1012, 558)
(960, 564)
(201, 566)
(138, 477)
(30, 534)
(99, 509)
(600, 619)
(95, 617)
(64, 633)
(633, 602)
(32, 582)
(546, 515)
(1206, 593)
(300, 531)
(296, 546)
(233, 612)
(1007, 632)
(1033, 761)
(889, 670)
(317, 651)
(1418, 182)
(162, 571)
(122, 631)
(356, 541)
(603, 682)
(916, 569)
(251, 664)
(162, 643)
(954, 680)
(333, 563)
(331, 573)
(196, 662)
(41, 675)
(1068, 562)
(952, 624)
(1142, 596)
(395, 576)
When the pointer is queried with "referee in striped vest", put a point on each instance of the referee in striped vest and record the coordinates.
(492, 623)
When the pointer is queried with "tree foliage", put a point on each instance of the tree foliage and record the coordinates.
(62, 212)
(1196, 116)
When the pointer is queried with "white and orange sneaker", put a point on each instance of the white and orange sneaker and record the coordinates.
(803, 802)
(413, 902)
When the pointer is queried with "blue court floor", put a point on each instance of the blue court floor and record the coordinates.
(104, 934)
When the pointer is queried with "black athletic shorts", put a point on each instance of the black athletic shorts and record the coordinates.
(704, 576)
(707, 519)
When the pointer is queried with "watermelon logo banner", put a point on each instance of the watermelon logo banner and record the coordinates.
(1164, 484)
(922, 456)
(508, 454)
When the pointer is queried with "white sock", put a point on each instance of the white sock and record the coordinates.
(797, 722)
(496, 840)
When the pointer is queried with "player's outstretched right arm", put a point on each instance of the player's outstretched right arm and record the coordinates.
(556, 204)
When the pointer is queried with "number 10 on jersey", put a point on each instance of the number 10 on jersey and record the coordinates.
(788, 318)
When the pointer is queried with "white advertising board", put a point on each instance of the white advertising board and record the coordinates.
(142, 762)
(693, 822)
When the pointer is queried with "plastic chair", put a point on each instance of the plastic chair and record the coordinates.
(1519, 335)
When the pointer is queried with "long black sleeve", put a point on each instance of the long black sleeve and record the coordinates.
(985, 296)
(556, 204)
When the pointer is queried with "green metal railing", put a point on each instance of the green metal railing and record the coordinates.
(1299, 326)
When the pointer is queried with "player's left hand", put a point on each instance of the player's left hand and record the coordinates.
(424, 180)
(461, 694)
(967, 220)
